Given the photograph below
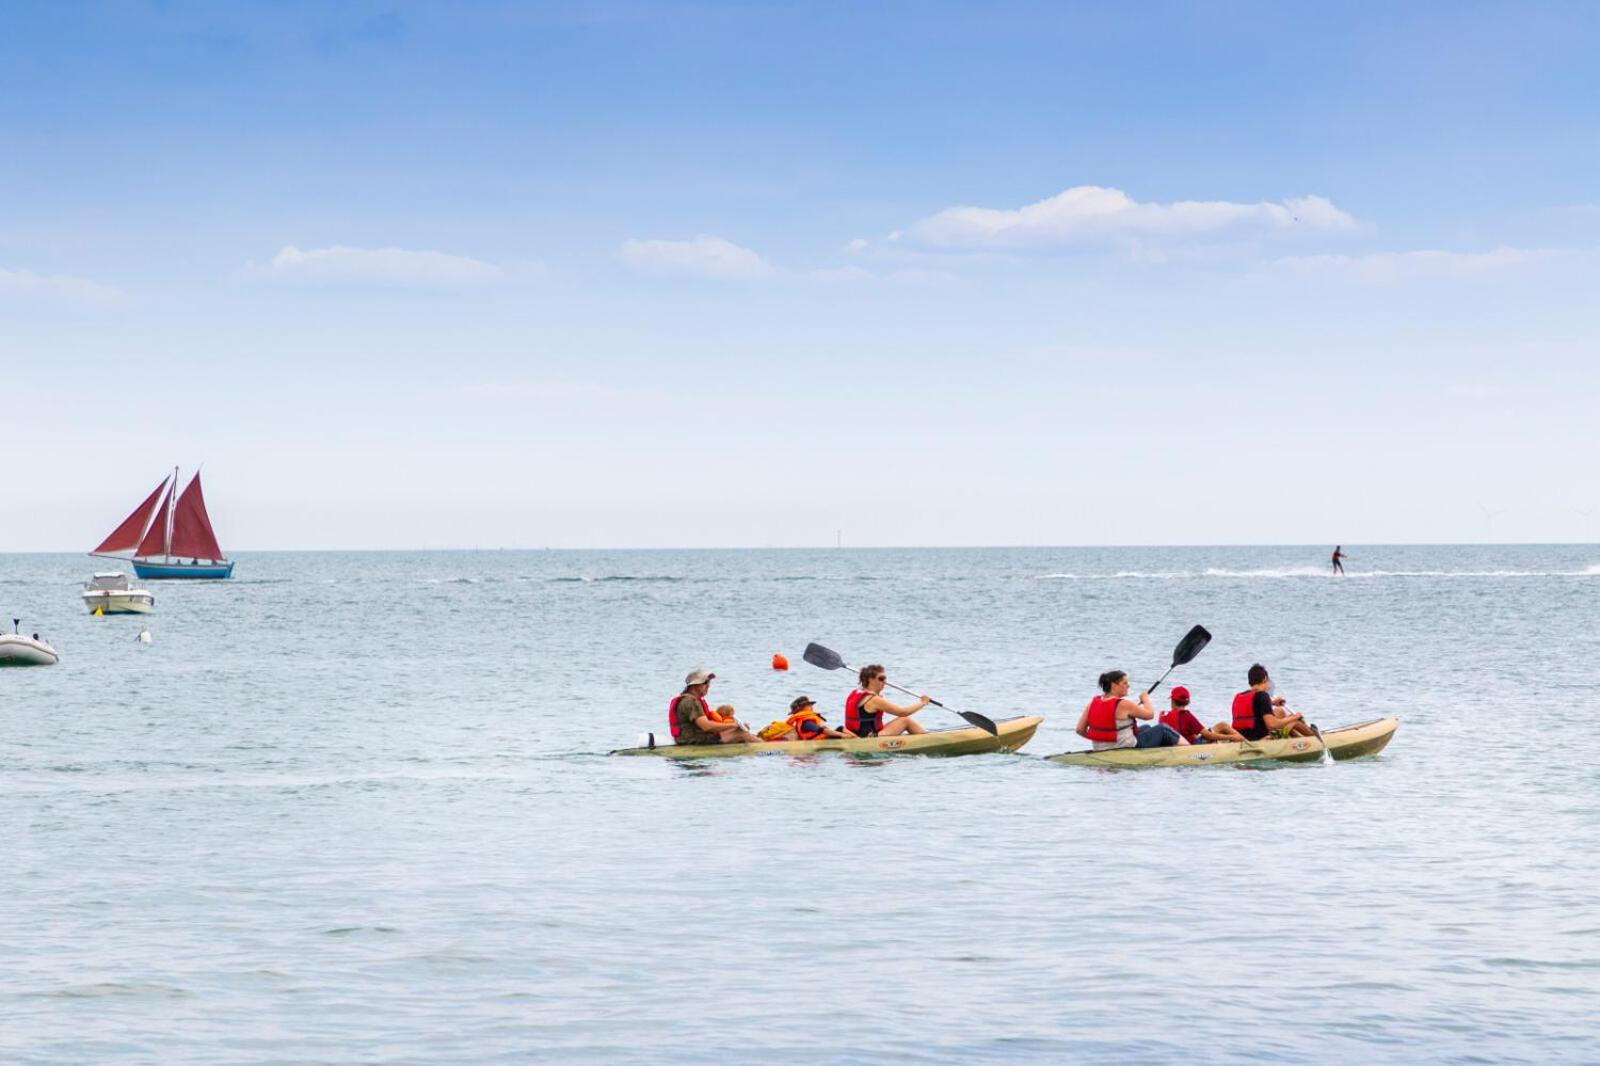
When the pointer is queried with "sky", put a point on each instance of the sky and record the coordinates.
(581, 275)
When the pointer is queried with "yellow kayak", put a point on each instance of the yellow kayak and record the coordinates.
(1346, 742)
(968, 740)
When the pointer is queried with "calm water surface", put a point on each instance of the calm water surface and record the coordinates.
(357, 807)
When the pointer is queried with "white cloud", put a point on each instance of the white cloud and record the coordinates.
(59, 288)
(1091, 213)
(341, 265)
(1382, 268)
(705, 257)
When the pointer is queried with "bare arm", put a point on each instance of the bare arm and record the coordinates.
(1082, 727)
(1278, 721)
(1143, 709)
(878, 703)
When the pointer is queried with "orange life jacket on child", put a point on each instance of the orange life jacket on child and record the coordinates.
(808, 715)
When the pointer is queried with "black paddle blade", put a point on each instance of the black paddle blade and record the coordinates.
(985, 724)
(1192, 644)
(826, 658)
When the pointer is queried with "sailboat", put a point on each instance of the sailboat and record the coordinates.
(177, 542)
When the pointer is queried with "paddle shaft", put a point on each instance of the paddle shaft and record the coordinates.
(1327, 755)
(828, 659)
(970, 717)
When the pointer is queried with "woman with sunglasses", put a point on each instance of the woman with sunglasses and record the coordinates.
(865, 709)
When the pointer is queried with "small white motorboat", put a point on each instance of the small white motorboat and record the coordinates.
(18, 650)
(113, 593)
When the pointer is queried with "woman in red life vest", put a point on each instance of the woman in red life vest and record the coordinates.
(1108, 720)
(693, 721)
(868, 714)
(1189, 727)
(806, 724)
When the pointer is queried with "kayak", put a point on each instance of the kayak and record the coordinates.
(1346, 742)
(968, 740)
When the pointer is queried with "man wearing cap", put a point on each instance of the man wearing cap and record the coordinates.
(694, 722)
(1189, 727)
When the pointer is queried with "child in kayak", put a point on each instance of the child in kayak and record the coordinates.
(805, 723)
(1189, 727)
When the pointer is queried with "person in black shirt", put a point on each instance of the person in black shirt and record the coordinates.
(1258, 714)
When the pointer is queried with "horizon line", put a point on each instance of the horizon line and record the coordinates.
(860, 547)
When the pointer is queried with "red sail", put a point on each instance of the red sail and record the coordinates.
(191, 528)
(127, 535)
(155, 538)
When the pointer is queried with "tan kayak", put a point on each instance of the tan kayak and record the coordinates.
(1346, 742)
(968, 740)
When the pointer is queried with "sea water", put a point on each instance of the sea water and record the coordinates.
(359, 807)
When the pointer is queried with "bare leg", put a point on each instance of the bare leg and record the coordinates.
(1228, 734)
(896, 726)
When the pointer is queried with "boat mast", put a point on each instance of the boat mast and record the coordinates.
(171, 511)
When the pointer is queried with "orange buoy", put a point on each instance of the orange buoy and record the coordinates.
(779, 662)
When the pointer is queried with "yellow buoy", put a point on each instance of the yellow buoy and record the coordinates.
(99, 612)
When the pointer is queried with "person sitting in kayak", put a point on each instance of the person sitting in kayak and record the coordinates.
(865, 708)
(805, 723)
(1257, 714)
(1189, 727)
(694, 722)
(1108, 720)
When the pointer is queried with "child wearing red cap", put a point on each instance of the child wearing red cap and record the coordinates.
(1189, 727)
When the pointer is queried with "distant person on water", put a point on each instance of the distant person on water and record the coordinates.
(694, 722)
(1108, 720)
(1189, 727)
(1258, 715)
(1338, 559)
(868, 714)
(805, 723)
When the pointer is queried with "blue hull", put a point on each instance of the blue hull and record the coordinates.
(200, 570)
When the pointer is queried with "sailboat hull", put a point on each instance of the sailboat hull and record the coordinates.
(199, 571)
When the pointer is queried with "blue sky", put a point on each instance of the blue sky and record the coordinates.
(747, 274)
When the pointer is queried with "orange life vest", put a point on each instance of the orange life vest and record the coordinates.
(1102, 724)
(807, 715)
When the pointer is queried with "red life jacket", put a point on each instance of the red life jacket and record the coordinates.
(1186, 724)
(672, 712)
(1244, 714)
(1102, 724)
(862, 725)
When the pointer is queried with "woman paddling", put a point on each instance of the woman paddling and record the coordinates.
(1108, 720)
(865, 708)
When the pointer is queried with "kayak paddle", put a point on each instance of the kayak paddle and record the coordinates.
(1327, 756)
(1192, 644)
(828, 659)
